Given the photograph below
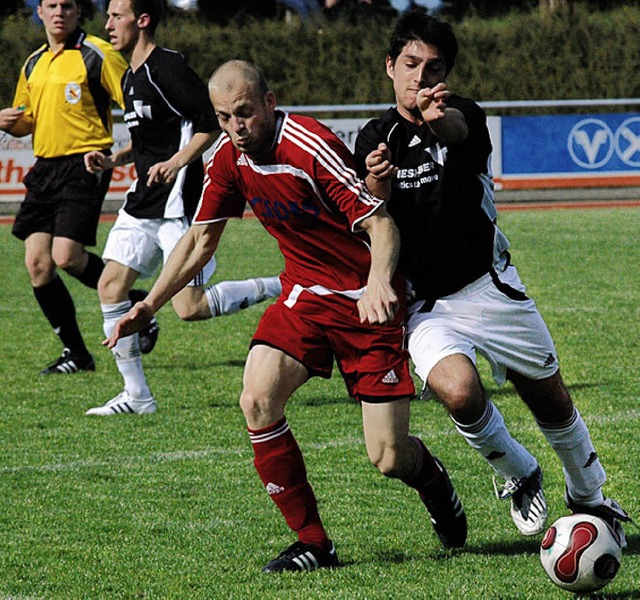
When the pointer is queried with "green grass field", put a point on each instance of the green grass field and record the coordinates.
(169, 506)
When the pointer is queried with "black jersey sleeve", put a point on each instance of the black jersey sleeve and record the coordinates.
(475, 150)
(186, 92)
(373, 133)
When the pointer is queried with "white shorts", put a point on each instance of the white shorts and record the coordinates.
(480, 318)
(144, 244)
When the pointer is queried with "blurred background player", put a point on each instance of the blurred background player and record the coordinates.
(429, 156)
(63, 98)
(172, 123)
(341, 300)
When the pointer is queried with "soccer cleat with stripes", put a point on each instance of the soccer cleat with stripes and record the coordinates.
(528, 506)
(445, 509)
(66, 364)
(609, 511)
(302, 557)
(124, 404)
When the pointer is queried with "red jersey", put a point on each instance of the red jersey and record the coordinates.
(306, 194)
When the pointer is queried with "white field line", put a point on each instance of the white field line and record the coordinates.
(206, 454)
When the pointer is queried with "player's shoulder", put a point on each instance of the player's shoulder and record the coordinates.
(167, 58)
(97, 43)
(464, 104)
(385, 123)
(309, 134)
(33, 58)
(304, 122)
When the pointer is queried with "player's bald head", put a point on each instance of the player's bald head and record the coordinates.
(238, 74)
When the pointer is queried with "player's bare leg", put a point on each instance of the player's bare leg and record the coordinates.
(565, 430)
(114, 286)
(56, 303)
(456, 382)
(398, 455)
(270, 378)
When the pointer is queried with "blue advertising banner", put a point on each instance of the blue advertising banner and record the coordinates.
(587, 145)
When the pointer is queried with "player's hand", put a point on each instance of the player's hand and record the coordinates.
(10, 116)
(378, 304)
(162, 173)
(378, 163)
(95, 162)
(432, 102)
(136, 319)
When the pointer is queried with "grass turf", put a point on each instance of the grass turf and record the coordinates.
(169, 506)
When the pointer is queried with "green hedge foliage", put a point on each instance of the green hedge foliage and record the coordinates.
(519, 56)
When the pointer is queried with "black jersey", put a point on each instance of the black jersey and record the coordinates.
(165, 104)
(441, 199)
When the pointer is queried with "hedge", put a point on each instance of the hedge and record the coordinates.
(519, 56)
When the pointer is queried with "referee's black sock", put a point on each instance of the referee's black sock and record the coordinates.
(92, 272)
(57, 305)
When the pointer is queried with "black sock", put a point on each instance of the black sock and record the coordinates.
(57, 305)
(425, 469)
(137, 295)
(92, 272)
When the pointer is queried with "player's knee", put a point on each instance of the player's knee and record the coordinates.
(386, 460)
(461, 397)
(187, 312)
(69, 262)
(190, 307)
(41, 269)
(258, 409)
(111, 289)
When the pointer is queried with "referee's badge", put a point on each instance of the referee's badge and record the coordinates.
(73, 92)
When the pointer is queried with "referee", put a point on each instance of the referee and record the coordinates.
(63, 98)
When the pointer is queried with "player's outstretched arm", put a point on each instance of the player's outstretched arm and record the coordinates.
(447, 123)
(191, 253)
(379, 303)
(166, 172)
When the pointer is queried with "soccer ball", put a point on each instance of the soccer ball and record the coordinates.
(580, 553)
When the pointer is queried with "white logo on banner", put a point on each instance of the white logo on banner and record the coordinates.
(590, 143)
(628, 142)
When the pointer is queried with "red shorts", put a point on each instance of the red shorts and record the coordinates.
(316, 329)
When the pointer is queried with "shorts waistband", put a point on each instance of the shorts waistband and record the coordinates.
(470, 289)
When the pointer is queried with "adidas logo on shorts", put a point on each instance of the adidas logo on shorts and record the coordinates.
(390, 377)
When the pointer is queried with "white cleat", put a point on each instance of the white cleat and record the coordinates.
(528, 505)
(124, 404)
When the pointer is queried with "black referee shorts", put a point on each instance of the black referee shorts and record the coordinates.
(62, 199)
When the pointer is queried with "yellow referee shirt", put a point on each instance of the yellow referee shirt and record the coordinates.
(67, 95)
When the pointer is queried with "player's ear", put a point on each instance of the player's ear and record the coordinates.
(270, 101)
(144, 20)
(390, 66)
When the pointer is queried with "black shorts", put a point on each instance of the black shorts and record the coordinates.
(62, 199)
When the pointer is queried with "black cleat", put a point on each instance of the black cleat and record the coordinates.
(67, 364)
(149, 335)
(445, 509)
(302, 557)
(609, 511)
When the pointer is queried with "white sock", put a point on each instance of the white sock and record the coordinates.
(126, 352)
(580, 464)
(490, 437)
(229, 297)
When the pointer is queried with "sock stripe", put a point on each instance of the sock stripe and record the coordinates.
(480, 424)
(564, 425)
(261, 436)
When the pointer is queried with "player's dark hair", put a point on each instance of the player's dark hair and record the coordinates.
(153, 8)
(416, 25)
